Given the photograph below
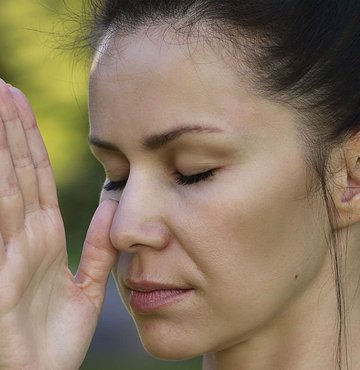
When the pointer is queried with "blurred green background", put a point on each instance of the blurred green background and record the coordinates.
(32, 58)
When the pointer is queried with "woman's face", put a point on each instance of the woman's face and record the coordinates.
(216, 234)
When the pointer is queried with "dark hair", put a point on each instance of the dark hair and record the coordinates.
(305, 53)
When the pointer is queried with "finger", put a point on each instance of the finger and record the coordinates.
(2, 252)
(98, 255)
(19, 150)
(45, 178)
(11, 201)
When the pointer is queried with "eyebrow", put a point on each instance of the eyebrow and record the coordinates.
(156, 141)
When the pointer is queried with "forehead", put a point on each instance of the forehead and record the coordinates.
(144, 83)
(162, 61)
(155, 50)
(160, 74)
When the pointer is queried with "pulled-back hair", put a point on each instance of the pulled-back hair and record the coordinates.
(304, 53)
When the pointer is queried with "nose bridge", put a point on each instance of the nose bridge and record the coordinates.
(139, 219)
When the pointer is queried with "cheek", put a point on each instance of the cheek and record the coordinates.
(251, 239)
(257, 217)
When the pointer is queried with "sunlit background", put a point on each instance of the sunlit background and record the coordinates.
(56, 85)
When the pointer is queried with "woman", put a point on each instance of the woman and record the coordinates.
(230, 212)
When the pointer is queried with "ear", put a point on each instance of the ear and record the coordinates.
(346, 183)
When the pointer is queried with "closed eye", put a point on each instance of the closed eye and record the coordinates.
(115, 185)
(193, 179)
(180, 179)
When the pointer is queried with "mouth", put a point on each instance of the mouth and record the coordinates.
(149, 297)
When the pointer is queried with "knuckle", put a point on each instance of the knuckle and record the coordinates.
(43, 162)
(23, 161)
(30, 124)
(9, 188)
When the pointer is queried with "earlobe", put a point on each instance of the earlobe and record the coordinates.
(347, 191)
(351, 191)
(349, 205)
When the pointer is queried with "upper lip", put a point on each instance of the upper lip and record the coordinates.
(149, 286)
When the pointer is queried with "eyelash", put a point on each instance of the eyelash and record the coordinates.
(180, 179)
(115, 185)
(193, 179)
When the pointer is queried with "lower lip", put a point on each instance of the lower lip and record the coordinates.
(146, 302)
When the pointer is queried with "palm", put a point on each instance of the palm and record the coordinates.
(47, 315)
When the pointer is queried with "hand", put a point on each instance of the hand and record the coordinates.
(47, 315)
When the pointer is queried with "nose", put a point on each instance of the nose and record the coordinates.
(139, 221)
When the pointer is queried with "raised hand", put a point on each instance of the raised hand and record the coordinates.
(47, 315)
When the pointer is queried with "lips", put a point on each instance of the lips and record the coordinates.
(148, 286)
(149, 296)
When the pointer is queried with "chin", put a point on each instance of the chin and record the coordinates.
(167, 342)
(168, 352)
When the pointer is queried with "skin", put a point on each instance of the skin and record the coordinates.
(249, 240)
(47, 315)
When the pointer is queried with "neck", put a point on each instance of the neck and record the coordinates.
(302, 337)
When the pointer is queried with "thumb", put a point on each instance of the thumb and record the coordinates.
(98, 255)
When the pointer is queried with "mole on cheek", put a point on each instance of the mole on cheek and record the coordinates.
(296, 276)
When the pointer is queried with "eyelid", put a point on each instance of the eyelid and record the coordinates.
(114, 173)
(195, 178)
(111, 162)
(185, 180)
